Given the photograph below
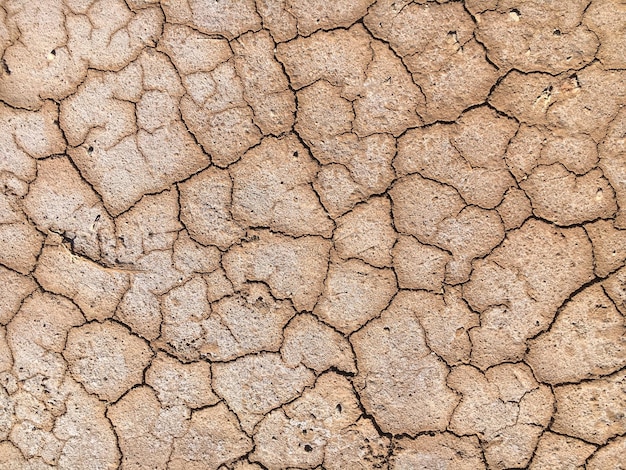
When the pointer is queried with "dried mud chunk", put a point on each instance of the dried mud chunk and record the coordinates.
(228, 18)
(411, 28)
(556, 451)
(354, 293)
(272, 188)
(96, 290)
(279, 442)
(29, 76)
(420, 216)
(482, 409)
(613, 164)
(277, 19)
(400, 382)
(519, 287)
(59, 200)
(246, 323)
(338, 57)
(419, 266)
(21, 244)
(37, 335)
(609, 246)
(367, 233)
(266, 86)
(446, 320)
(611, 456)
(139, 310)
(151, 224)
(435, 42)
(589, 410)
(584, 106)
(603, 18)
(212, 439)
(191, 51)
(15, 288)
(437, 451)
(218, 285)
(320, 403)
(527, 97)
(176, 383)
(358, 446)
(567, 199)
(106, 358)
(337, 190)
(205, 205)
(86, 432)
(311, 16)
(184, 309)
(454, 83)
(513, 447)
(137, 419)
(323, 113)
(254, 385)
(389, 101)
(587, 340)
(464, 156)
(533, 36)
(483, 136)
(312, 343)
(293, 268)
(578, 153)
(493, 406)
(26, 135)
(12, 458)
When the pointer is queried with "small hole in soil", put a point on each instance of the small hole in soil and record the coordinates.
(53, 52)
(295, 154)
(308, 448)
(339, 408)
(514, 14)
(556, 32)
(386, 328)
(90, 150)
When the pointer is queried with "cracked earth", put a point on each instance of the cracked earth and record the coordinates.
(292, 234)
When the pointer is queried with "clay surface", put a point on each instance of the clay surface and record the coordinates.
(312, 234)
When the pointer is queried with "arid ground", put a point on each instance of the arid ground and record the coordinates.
(312, 234)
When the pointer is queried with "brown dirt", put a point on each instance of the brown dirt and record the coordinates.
(289, 234)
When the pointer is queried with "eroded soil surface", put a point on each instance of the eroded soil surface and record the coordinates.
(296, 234)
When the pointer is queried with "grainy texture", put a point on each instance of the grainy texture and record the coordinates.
(289, 234)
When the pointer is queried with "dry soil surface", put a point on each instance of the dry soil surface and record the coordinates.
(297, 234)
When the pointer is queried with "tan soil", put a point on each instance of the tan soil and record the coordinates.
(289, 234)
